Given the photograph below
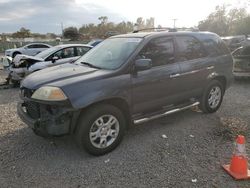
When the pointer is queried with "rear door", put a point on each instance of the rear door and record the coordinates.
(156, 88)
(195, 65)
(30, 49)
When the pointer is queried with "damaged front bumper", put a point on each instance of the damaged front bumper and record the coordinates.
(17, 74)
(47, 119)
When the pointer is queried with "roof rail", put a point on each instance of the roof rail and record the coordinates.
(169, 29)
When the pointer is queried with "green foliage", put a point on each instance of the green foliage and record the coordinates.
(71, 33)
(104, 28)
(225, 21)
(22, 33)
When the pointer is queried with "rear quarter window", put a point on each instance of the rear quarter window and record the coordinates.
(215, 46)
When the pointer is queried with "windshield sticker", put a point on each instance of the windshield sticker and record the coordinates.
(133, 40)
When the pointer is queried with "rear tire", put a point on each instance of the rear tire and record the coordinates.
(212, 97)
(100, 129)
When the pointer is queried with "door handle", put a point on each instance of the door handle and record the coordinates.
(174, 75)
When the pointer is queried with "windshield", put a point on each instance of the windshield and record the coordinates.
(111, 53)
(47, 52)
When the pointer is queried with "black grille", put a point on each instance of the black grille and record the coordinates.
(33, 109)
(26, 92)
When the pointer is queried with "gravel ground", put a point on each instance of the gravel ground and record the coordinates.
(190, 155)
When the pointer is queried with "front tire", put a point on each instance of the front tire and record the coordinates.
(212, 97)
(100, 129)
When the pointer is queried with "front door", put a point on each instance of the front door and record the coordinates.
(157, 87)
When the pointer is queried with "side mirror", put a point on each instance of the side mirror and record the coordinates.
(54, 59)
(143, 64)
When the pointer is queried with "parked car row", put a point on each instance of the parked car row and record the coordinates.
(29, 49)
(23, 64)
(37, 56)
(234, 42)
(126, 79)
(240, 47)
(241, 62)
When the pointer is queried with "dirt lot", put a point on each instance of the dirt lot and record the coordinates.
(190, 156)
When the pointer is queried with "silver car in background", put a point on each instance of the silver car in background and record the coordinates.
(29, 49)
(23, 65)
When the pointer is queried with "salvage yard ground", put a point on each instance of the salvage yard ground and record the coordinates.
(189, 155)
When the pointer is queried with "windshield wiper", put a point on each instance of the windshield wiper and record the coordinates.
(90, 65)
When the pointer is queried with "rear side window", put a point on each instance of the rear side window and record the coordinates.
(42, 46)
(82, 50)
(214, 45)
(159, 50)
(189, 48)
(211, 47)
(37, 46)
(63, 53)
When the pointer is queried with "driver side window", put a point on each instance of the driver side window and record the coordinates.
(159, 50)
(63, 53)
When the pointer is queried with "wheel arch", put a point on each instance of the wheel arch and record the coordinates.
(15, 52)
(223, 80)
(120, 103)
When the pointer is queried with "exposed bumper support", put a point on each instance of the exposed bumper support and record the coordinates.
(49, 123)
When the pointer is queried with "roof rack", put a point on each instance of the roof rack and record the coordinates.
(169, 29)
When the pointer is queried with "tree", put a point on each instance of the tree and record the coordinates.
(71, 33)
(224, 21)
(22, 33)
(140, 23)
(216, 21)
(100, 30)
(103, 19)
(150, 22)
(243, 27)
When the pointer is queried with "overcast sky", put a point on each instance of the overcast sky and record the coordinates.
(44, 16)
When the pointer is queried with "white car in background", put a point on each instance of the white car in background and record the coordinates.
(22, 65)
(29, 49)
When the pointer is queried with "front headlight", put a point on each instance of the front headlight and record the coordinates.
(49, 93)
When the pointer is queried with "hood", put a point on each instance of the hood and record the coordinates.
(17, 59)
(60, 76)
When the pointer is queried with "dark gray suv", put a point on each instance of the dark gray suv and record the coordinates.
(126, 79)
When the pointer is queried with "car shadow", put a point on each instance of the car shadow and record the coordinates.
(244, 80)
(25, 144)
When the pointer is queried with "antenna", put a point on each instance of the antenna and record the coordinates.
(62, 28)
(174, 21)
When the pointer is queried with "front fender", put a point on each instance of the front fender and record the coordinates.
(82, 95)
